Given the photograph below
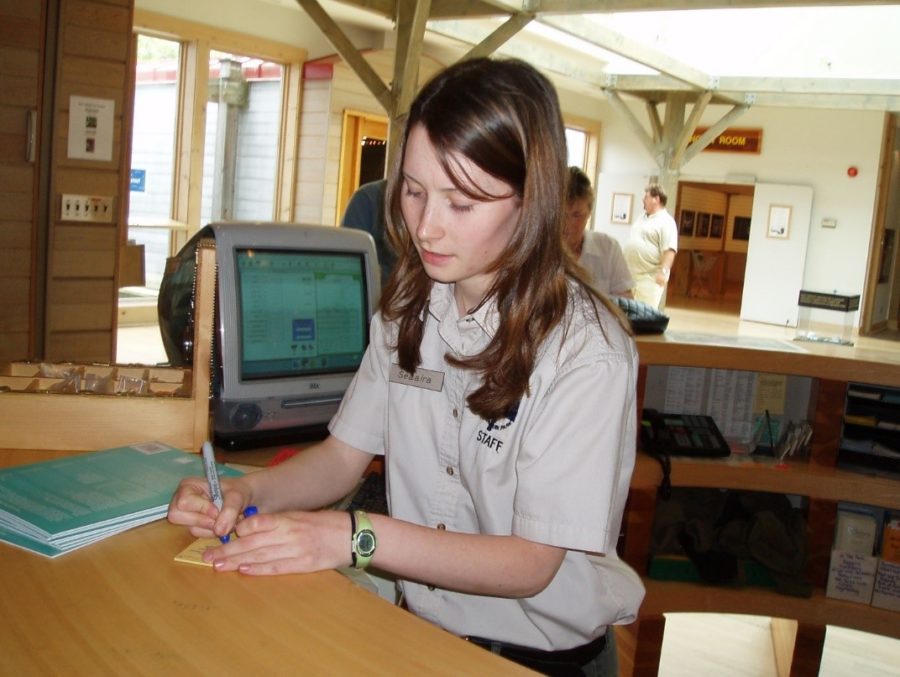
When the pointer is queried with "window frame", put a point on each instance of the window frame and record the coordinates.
(197, 41)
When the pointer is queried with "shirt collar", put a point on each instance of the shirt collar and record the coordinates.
(442, 305)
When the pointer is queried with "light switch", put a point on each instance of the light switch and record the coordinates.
(829, 223)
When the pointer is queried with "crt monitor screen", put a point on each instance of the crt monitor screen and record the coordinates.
(301, 312)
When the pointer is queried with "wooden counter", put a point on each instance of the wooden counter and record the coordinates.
(775, 356)
(124, 607)
(797, 642)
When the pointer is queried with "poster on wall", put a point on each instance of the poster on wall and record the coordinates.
(91, 128)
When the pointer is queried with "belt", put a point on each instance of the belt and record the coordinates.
(562, 662)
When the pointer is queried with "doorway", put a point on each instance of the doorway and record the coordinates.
(713, 236)
(363, 154)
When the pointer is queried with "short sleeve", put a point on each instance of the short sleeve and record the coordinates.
(361, 417)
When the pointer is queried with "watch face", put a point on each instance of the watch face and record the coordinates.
(365, 543)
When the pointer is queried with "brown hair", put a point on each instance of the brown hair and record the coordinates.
(657, 191)
(578, 186)
(504, 116)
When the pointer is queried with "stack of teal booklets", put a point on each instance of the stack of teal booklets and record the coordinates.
(57, 506)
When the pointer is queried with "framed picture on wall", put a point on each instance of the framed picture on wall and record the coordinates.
(779, 222)
(741, 228)
(702, 224)
(686, 227)
(621, 208)
(717, 226)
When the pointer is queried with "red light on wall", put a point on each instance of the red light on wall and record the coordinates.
(852, 171)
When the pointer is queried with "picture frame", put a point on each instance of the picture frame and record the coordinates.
(686, 229)
(779, 222)
(741, 230)
(702, 224)
(717, 226)
(621, 208)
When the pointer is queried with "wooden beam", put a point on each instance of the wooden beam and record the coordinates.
(633, 122)
(348, 52)
(711, 133)
(615, 42)
(495, 40)
(597, 6)
(655, 122)
(684, 138)
(412, 16)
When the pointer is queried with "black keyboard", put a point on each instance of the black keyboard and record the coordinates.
(371, 495)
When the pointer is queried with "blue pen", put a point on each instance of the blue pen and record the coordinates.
(249, 511)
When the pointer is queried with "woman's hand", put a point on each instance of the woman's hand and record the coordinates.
(191, 506)
(285, 543)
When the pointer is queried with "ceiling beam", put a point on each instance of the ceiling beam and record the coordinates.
(446, 9)
(500, 36)
(605, 6)
(707, 137)
(617, 43)
(687, 131)
(823, 86)
(348, 52)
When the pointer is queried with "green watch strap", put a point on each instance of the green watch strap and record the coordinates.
(362, 539)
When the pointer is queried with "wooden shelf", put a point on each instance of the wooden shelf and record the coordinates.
(670, 597)
(763, 474)
(831, 367)
(801, 358)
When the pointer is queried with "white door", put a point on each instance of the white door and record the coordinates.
(776, 254)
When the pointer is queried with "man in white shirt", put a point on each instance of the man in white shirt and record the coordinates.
(651, 250)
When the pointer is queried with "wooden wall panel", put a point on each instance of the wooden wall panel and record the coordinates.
(21, 59)
(89, 345)
(94, 60)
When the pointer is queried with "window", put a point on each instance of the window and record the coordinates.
(153, 154)
(576, 147)
(243, 121)
(214, 135)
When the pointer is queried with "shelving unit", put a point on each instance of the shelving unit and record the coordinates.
(173, 406)
(818, 478)
(870, 439)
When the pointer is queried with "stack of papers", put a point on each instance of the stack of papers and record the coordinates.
(57, 506)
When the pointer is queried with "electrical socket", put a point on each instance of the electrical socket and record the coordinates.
(98, 209)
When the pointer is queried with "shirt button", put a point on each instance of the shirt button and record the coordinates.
(450, 470)
(455, 412)
(431, 588)
(441, 526)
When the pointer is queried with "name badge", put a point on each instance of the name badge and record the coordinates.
(423, 378)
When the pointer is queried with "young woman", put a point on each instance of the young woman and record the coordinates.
(498, 388)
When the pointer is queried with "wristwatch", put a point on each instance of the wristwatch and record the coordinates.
(362, 539)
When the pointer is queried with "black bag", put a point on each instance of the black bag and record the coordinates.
(644, 318)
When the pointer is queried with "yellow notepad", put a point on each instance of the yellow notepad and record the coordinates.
(193, 554)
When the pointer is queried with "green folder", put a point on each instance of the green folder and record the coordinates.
(57, 506)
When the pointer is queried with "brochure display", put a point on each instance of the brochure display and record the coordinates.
(57, 506)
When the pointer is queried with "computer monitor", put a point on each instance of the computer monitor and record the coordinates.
(293, 309)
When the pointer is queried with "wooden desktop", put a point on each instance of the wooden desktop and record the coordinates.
(123, 606)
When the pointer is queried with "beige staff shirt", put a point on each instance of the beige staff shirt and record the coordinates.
(556, 470)
(603, 258)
